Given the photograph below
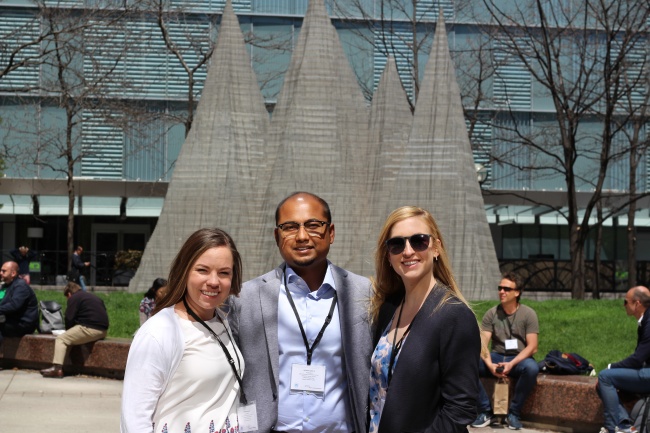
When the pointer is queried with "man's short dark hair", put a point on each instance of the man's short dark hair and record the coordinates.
(515, 278)
(326, 207)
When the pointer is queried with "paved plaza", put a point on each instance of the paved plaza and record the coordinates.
(30, 403)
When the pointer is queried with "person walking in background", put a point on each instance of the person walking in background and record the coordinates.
(78, 266)
(19, 307)
(513, 329)
(631, 374)
(184, 370)
(303, 330)
(424, 372)
(148, 303)
(86, 320)
(23, 256)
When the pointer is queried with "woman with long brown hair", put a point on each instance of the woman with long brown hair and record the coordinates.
(184, 370)
(424, 371)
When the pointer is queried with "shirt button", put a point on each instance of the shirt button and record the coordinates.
(306, 419)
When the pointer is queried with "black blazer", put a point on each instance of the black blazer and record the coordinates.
(434, 387)
(641, 356)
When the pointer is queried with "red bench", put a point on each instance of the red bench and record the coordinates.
(561, 403)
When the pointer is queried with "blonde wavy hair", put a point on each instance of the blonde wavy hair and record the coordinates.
(388, 282)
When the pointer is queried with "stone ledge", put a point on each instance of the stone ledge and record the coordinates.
(562, 403)
(105, 358)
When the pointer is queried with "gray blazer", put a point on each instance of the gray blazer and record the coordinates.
(253, 318)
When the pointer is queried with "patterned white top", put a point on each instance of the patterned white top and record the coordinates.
(203, 394)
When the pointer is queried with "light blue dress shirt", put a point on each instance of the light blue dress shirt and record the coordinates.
(303, 411)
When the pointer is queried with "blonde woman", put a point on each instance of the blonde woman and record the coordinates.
(424, 373)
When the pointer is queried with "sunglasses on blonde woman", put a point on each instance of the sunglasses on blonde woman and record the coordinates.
(418, 242)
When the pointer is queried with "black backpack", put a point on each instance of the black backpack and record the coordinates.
(557, 362)
(51, 317)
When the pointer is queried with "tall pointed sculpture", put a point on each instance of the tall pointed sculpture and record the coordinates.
(390, 124)
(319, 134)
(221, 165)
(438, 173)
(234, 167)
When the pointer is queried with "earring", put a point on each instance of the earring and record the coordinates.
(436, 258)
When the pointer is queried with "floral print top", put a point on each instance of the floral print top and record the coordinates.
(379, 377)
(147, 305)
(228, 427)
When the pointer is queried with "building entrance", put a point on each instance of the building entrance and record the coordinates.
(107, 241)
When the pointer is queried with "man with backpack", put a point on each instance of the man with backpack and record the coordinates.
(86, 320)
(631, 374)
(512, 328)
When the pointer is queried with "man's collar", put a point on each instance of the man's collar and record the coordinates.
(291, 276)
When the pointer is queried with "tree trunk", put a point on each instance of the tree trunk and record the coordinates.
(631, 212)
(70, 181)
(631, 246)
(599, 242)
(577, 263)
(70, 234)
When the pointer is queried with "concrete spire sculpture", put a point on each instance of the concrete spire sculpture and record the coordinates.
(234, 167)
(390, 124)
(438, 173)
(319, 134)
(221, 165)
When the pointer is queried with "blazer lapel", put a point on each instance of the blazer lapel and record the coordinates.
(268, 295)
(341, 292)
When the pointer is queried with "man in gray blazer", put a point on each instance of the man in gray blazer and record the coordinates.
(303, 330)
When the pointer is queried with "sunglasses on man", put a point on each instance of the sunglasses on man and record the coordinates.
(419, 242)
(505, 289)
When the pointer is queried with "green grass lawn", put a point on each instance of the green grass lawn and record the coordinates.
(597, 330)
(122, 309)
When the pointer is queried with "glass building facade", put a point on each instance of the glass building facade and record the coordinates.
(127, 112)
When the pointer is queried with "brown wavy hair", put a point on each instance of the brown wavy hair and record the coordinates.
(196, 244)
(387, 281)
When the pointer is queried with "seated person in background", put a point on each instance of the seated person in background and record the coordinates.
(148, 303)
(631, 374)
(23, 255)
(86, 320)
(19, 307)
(513, 330)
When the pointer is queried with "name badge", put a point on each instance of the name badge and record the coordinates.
(308, 378)
(511, 344)
(247, 417)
